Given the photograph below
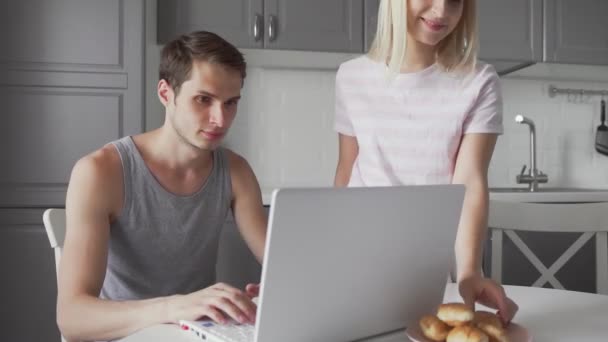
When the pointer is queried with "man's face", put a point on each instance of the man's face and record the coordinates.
(205, 106)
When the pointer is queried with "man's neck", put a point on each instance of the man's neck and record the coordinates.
(168, 148)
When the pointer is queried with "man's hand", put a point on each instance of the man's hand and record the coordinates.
(252, 290)
(487, 292)
(216, 302)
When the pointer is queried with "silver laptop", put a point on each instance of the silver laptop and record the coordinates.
(349, 264)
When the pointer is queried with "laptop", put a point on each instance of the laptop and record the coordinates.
(348, 264)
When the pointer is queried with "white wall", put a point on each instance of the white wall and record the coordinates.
(284, 124)
(565, 134)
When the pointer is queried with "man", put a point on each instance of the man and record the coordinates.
(144, 213)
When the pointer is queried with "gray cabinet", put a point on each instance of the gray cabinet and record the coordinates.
(313, 25)
(72, 80)
(510, 30)
(241, 22)
(370, 22)
(28, 290)
(576, 31)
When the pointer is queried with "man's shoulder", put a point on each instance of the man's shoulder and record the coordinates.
(102, 164)
(236, 162)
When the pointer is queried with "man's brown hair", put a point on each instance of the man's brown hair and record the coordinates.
(178, 55)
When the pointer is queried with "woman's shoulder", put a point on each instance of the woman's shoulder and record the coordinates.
(358, 65)
(484, 71)
(480, 76)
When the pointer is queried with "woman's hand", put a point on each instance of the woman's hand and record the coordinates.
(476, 289)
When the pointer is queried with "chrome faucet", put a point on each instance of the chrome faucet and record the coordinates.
(534, 176)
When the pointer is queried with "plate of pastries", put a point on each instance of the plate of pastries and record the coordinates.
(455, 322)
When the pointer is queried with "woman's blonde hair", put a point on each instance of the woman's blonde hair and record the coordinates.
(455, 53)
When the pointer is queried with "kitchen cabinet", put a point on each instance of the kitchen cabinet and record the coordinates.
(370, 22)
(72, 80)
(313, 25)
(576, 31)
(28, 290)
(241, 22)
(510, 30)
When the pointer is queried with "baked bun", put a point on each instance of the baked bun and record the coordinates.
(490, 324)
(434, 328)
(455, 314)
(467, 333)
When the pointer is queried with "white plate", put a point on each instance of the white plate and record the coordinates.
(515, 332)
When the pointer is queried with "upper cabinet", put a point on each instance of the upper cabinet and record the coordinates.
(313, 25)
(576, 31)
(510, 30)
(371, 21)
(239, 21)
(552, 31)
(514, 31)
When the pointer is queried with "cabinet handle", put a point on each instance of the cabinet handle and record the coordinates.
(256, 27)
(272, 22)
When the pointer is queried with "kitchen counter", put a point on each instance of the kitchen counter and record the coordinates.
(267, 195)
(544, 195)
(550, 195)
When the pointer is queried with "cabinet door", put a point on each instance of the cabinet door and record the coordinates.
(28, 290)
(371, 21)
(315, 25)
(510, 30)
(240, 22)
(576, 31)
(72, 80)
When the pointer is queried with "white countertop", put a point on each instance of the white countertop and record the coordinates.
(267, 195)
(548, 315)
(550, 195)
(546, 195)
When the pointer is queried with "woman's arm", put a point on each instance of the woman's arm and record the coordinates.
(471, 169)
(349, 149)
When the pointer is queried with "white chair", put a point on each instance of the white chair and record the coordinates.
(54, 224)
(587, 218)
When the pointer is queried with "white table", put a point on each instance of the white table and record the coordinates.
(549, 315)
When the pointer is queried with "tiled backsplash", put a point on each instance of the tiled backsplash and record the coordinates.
(284, 129)
(565, 134)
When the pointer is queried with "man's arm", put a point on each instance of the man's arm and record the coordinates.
(95, 186)
(247, 205)
(348, 151)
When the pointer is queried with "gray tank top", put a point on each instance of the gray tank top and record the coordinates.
(162, 243)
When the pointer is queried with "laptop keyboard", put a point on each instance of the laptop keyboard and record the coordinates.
(232, 332)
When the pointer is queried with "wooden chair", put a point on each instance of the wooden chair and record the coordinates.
(589, 219)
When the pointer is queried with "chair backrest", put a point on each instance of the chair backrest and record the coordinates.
(54, 224)
(590, 219)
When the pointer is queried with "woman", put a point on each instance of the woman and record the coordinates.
(419, 109)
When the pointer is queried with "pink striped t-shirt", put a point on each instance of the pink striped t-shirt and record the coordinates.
(409, 129)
